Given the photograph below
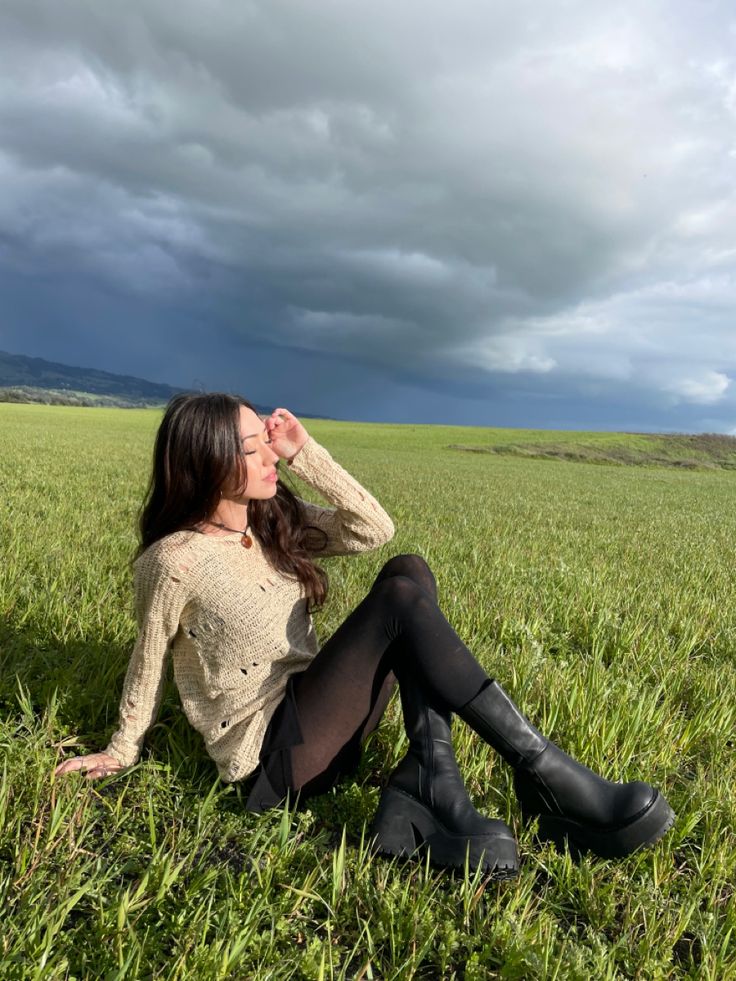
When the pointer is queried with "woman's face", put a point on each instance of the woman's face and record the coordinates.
(258, 458)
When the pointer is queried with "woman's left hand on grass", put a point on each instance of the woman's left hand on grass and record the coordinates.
(92, 766)
(286, 433)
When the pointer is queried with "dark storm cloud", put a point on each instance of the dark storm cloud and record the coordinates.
(482, 200)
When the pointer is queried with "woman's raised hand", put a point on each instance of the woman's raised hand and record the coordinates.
(286, 432)
(93, 766)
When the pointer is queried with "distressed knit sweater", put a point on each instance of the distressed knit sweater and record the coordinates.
(235, 628)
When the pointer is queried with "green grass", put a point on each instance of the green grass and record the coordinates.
(601, 596)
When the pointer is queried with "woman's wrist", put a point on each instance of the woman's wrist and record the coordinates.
(294, 455)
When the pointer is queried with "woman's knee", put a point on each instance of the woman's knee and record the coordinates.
(400, 592)
(410, 566)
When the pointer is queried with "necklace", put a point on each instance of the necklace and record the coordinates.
(246, 541)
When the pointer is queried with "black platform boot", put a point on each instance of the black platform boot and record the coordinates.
(425, 805)
(571, 802)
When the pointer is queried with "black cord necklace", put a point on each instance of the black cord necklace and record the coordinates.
(246, 541)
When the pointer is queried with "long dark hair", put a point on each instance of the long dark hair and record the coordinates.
(197, 449)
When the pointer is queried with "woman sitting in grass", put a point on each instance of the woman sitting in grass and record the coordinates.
(225, 579)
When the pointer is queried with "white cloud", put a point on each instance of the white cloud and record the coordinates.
(507, 354)
(703, 389)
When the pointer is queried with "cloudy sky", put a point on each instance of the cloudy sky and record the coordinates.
(471, 212)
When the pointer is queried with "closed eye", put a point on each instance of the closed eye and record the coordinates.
(251, 452)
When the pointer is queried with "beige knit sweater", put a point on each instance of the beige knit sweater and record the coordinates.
(236, 628)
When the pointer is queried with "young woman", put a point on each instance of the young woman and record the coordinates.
(225, 579)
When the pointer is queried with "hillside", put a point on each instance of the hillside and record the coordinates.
(703, 451)
(19, 372)
(56, 396)
(26, 379)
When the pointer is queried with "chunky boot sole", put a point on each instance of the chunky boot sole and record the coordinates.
(644, 829)
(404, 826)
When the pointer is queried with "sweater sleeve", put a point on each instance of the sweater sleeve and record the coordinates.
(160, 597)
(357, 523)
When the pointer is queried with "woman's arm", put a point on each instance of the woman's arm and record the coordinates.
(358, 523)
(160, 598)
(141, 696)
(161, 595)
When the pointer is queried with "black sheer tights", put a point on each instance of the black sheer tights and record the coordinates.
(397, 632)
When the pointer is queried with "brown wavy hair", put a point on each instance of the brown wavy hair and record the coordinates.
(197, 449)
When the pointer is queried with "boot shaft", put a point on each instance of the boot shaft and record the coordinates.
(430, 754)
(499, 722)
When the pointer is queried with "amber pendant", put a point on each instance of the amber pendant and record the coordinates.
(246, 541)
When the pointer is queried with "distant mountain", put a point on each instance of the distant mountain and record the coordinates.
(24, 379)
(19, 371)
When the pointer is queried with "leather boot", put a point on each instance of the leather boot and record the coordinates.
(572, 803)
(425, 805)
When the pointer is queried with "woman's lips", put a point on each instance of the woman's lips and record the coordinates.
(271, 476)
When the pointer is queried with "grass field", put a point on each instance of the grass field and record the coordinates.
(602, 597)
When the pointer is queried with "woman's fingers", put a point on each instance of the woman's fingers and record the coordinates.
(281, 422)
(68, 765)
(99, 771)
(282, 417)
(286, 432)
(94, 765)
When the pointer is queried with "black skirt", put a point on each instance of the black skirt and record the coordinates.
(270, 782)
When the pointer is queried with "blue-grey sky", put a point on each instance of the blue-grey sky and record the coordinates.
(472, 212)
